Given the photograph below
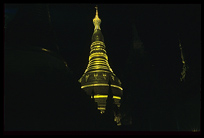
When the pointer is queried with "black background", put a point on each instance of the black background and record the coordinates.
(175, 105)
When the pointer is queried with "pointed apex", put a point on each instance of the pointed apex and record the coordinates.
(96, 10)
(97, 20)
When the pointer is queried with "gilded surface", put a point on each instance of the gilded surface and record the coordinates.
(97, 20)
(98, 74)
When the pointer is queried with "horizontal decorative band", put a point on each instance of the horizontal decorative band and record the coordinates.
(98, 63)
(98, 54)
(97, 49)
(105, 96)
(88, 70)
(98, 58)
(108, 71)
(101, 108)
(91, 85)
(98, 67)
(98, 43)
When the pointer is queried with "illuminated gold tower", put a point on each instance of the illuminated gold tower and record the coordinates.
(98, 74)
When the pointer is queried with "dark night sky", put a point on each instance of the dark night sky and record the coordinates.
(158, 26)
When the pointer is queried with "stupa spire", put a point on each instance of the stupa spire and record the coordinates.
(97, 20)
(98, 75)
(96, 10)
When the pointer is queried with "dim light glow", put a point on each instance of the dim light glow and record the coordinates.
(101, 108)
(184, 69)
(66, 64)
(195, 130)
(46, 50)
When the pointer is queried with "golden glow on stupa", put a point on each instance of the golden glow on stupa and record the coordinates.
(98, 74)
